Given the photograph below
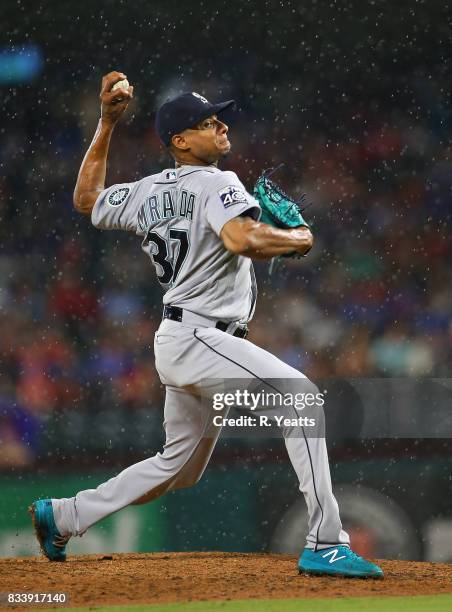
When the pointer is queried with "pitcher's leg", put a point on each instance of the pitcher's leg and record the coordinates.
(182, 462)
(235, 358)
(309, 458)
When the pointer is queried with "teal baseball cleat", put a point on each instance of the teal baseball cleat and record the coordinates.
(53, 544)
(337, 561)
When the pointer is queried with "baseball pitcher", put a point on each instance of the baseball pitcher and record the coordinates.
(201, 230)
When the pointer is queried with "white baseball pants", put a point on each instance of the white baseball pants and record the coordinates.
(186, 356)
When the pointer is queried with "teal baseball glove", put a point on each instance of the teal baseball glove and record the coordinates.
(278, 209)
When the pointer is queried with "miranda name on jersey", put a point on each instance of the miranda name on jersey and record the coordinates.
(166, 205)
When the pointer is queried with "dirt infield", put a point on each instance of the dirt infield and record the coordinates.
(176, 577)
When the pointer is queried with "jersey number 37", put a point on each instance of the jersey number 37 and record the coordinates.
(168, 256)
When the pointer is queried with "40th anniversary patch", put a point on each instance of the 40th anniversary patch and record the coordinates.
(231, 195)
(118, 196)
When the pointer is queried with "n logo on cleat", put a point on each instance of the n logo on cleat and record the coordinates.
(334, 556)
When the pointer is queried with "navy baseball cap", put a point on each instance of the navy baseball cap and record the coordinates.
(184, 111)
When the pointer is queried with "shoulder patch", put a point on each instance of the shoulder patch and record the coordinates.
(117, 197)
(231, 195)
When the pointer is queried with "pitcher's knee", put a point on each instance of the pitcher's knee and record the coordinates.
(186, 480)
(306, 396)
(181, 469)
(304, 416)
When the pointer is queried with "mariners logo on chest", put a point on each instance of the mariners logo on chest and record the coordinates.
(165, 205)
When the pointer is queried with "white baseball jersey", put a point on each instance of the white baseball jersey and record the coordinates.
(180, 214)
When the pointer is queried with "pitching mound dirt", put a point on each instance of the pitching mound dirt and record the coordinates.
(171, 577)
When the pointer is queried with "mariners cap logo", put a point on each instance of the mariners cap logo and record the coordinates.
(117, 197)
(193, 93)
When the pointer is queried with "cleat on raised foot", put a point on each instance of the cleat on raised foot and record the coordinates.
(337, 561)
(52, 543)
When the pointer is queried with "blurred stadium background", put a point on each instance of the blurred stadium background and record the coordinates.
(355, 98)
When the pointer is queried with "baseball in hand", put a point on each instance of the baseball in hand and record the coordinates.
(124, 84)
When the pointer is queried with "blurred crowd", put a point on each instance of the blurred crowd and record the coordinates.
(79, 307)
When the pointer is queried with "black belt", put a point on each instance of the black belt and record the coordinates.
(174, 313)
